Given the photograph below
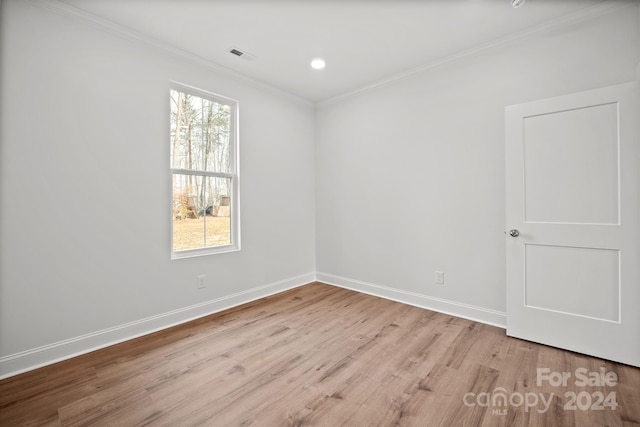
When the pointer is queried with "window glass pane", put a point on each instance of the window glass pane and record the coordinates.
(200, 132)
(201, 212)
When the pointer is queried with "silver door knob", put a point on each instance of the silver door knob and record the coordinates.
(514, 233)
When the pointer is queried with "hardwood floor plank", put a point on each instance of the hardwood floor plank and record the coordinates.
(319, 356)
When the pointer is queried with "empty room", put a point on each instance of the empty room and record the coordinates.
(320, 213)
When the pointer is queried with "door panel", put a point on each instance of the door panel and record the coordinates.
(587, 140)
(572, 176)
(575, 281)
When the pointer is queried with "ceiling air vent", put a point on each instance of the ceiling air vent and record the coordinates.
(241, 54)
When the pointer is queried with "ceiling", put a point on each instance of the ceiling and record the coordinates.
(362, 41)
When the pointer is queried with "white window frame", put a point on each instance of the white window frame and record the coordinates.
(234, 175)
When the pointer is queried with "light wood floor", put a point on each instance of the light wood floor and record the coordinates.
(317, 355)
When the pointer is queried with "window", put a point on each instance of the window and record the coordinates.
(204, 155)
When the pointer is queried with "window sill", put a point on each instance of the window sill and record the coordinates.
(191, 253)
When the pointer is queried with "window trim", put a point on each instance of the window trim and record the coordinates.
(234, 174)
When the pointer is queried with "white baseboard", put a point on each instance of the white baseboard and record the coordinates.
(453, 308)
(48, 354)
(28, 360)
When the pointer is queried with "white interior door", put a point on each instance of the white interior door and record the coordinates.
(572, 194)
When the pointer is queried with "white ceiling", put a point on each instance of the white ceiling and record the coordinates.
(362, 41)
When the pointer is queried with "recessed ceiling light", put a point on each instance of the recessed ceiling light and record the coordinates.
(317, 63)
(517, 3)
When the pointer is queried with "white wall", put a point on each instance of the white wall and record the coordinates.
(85, 190)
(410, 175)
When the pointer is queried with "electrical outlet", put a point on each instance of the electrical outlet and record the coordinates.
(438, 277)
(200, 282)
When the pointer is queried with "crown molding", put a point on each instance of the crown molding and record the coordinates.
(600, 9)
(129, 34)
(60, 7)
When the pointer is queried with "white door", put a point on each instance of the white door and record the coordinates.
(573, 207)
